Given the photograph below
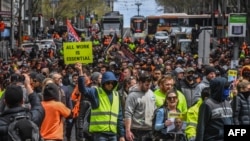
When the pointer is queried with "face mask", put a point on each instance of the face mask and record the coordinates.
(225, 94)
(247, 93)
(61, 84)
(190, 77)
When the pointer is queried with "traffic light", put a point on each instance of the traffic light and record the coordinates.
(52, 21)
(96, 17)
(2, 26)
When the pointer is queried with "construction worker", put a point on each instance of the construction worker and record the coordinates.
(106, 119)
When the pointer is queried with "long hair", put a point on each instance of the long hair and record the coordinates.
(166, 98)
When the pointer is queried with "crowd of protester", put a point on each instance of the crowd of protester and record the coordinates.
(123, 92)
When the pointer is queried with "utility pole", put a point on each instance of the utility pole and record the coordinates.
(248, 20)
(12, 25)
(110, 4)
(237, 41)
(212, 17)
(20, 23)
(30, 18)
(138, 7)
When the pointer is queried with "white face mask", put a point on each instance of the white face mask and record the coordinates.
(61, 84)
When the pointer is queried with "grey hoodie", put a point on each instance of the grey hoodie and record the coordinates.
(140, 105)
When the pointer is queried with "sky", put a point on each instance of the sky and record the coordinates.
(129, 9)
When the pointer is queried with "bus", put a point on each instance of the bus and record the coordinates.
(112, 23)
(166, 21)
(138, 26)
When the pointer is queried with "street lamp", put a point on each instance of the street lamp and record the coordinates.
(53, 5)
(138, 7)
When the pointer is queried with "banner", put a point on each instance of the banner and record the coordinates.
(72, 35)
(128, 53)
(232, 75)
(78, 52)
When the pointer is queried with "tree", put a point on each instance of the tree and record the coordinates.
(68, 9)
(179, 6)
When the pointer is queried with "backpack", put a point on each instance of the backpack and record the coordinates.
(83, 119)
(22, 128)
(157, 134)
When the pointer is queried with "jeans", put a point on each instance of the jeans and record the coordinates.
(141, 135)
(103, 137)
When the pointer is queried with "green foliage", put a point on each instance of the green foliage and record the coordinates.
(67, 9)
(182, 6)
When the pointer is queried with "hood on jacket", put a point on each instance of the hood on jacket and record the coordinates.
(218, 86)
(51, 92)
(108, 76)
(245, 71)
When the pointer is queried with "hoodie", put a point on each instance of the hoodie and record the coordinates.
(139, 108)
(214, 113)
(92, 94)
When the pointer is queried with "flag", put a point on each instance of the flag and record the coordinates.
(113, 41)
(72, 35)
(128, 53)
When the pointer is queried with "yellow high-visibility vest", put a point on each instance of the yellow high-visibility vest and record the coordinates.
(104, 118)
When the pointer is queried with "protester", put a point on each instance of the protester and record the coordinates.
(75, 97)
(187, 86)
(14, 100)
(209, 74)
(127, 84)
(64, 95)
(17, 79)
(192, 115)
(165, 84)
(37, 84)
(139, 109)
(101, 98)
(53, 126)
(164, 122)
(96, 78)
(241, 104)
(215, 112)
(156, 75)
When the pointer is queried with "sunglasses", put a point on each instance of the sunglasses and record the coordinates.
(172, 97)
(110, 82)
(131, 78)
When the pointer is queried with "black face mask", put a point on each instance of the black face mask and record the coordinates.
(246, 94)
(190, 77)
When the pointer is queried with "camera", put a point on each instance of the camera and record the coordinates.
(17, 78)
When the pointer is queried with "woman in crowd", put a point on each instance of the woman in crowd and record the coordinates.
(166, 114)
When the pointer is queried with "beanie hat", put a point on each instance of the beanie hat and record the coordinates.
(190, 69)
(13, 95)
(209, 69)
(179, 70)
(33, 75)
(40, 77)
(95, 76)
(51, 92)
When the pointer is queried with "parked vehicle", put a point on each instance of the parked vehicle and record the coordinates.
(47, 43)
(162, 36)
(29, 45)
